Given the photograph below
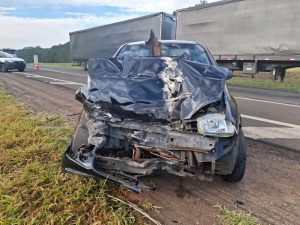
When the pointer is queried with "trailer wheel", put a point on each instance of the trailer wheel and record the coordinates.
(282, 74)
(274, 74)
(279, 72)
(83, 65)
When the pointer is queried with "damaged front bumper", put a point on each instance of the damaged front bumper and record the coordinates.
(145, 149)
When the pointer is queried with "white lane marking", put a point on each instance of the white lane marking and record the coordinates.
(265, 101)
(50, 78)
(63, 83)
(271, 133)
(271, 121)
(57, 71)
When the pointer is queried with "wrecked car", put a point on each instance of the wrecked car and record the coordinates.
(157, 107)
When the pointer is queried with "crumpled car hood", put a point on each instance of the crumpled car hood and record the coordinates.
(158, 87)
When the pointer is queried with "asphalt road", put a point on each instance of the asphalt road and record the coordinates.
(270, 188)
(270, 116)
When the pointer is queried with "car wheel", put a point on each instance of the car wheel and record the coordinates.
(3, 68)
(21, 69)
(240, 163)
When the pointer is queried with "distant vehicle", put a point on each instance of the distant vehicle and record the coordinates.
(9, 62)
(104, 41)
(11, 51)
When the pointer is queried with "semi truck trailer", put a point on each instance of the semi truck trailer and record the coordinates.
(246, 35)
(104, 41)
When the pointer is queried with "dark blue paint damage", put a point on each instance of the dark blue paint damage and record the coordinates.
(140, 117)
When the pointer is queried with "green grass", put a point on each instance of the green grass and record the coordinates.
(236, 217)
(33, 190)
(60, 65)
(264, 80)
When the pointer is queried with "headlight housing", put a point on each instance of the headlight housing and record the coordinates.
(215, 125)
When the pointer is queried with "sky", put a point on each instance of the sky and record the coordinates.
(46, 23)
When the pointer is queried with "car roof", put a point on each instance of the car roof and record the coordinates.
(165, 41)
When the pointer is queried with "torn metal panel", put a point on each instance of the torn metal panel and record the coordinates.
(159, 88)
(148, 136)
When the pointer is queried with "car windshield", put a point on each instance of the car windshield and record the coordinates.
(192, 52)
(5, 55)
(9, 51)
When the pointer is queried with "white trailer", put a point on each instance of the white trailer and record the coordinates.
(246, 35)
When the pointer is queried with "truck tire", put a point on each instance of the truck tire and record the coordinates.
(282, 74)
(83, 65)
(273, 72)
(240, 163)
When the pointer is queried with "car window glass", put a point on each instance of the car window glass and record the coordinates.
(131, 51)
(11, 51)
(192, 52)
(5, 55)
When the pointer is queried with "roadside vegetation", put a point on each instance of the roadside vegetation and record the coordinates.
(56, 54)
(32, 188)
(236, 217)
(264, 80)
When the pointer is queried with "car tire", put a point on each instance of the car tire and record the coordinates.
(240, 163)
(21, 69)
(3, 68)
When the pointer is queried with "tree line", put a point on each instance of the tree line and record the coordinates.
(56, 54)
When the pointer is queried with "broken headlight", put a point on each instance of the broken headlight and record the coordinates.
(216, 125)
